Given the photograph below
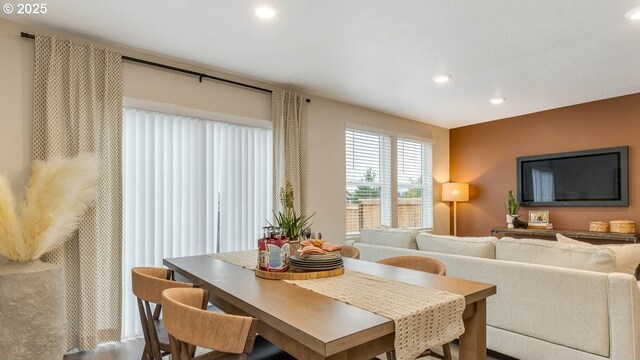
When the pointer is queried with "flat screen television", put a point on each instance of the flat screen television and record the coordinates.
(597, 177)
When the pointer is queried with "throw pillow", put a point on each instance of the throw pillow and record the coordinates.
(402, 238)
(483, 247)
(627, 255)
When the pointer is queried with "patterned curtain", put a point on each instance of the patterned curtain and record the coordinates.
(290, 147)
(77, 100)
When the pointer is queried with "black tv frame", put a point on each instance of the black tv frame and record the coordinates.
(624, 178)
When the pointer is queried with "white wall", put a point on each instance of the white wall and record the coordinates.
(327, 119)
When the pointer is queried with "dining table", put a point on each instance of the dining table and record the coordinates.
(312, 326)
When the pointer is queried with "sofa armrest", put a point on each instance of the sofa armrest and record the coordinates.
(624, 312)
(351, 241)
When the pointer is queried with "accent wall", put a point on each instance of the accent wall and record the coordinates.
(484, 155)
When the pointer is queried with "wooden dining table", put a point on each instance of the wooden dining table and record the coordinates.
(309, 325)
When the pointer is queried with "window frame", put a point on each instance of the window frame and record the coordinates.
(430, 201)
(386, 187)
(394, 171)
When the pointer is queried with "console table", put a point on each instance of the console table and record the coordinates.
(575, 234)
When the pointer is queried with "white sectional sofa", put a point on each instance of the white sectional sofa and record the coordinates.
(553, 301)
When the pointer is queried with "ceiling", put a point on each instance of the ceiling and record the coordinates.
(539, 55)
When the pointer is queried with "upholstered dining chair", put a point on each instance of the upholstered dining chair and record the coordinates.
(420, 263)
(350, 252)
(147, 284)
(229, 336)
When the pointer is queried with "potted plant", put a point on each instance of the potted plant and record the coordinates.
(293, 225)
(31, 291)
(512, 206)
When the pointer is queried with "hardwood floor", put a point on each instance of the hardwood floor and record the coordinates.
(126, 350)
(132, 350)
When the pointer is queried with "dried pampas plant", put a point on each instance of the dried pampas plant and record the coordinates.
(58, 194)
(11, 244)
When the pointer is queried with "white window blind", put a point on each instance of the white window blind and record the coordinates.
(368, 165)
(190, 187)
(415, 183)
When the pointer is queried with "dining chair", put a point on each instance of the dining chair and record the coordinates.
(147, 284)
(228, 336)
(420, 263)
(350, 252)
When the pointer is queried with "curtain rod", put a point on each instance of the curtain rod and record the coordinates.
(181, 70)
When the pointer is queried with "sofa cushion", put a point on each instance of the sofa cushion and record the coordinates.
(553, 253)
(627, 255)
(483, 247)
(402, 238)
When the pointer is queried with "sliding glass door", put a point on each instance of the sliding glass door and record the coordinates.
(190, 186)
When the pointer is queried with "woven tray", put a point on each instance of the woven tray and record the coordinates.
(298, 275)
(623, 226)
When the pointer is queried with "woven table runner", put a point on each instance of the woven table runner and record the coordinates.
(423, 317)
(247, 259)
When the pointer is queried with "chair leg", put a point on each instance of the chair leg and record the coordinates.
(154, 346)
(446, 351)
(391, 355)
(175, 348)
(146, 353)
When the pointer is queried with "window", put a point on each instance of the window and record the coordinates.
(190, 186)
(369, 194)
(415, 184)
(368, 159)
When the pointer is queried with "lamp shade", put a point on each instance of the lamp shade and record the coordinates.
(455, 192)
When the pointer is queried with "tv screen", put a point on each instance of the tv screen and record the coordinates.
(582, 178)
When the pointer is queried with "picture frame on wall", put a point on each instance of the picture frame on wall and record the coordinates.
(539, 217)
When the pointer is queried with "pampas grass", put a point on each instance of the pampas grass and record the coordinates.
(11, 245)
(58, 194)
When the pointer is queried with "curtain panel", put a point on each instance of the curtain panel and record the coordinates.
(77, 108)
(290, 147)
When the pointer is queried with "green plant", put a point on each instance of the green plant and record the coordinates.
(292, 224)
(363, 191)
(512, 206)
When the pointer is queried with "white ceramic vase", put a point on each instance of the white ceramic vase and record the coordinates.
(510, 219)
(32, 311)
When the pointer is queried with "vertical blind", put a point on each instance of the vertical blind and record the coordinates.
(368, 169)
(415, 183)
(190, 187)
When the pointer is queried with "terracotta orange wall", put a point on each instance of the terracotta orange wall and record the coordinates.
(484, 155)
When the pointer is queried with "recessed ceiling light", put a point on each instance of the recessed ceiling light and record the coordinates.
(497, 100)
(633, 14)
(442, 78)
(265, 11)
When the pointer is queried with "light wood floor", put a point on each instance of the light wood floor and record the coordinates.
(132, 350)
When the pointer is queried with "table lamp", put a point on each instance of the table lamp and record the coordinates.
(455, 192)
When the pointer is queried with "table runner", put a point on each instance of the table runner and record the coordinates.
(247, 259)
(423, 317)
